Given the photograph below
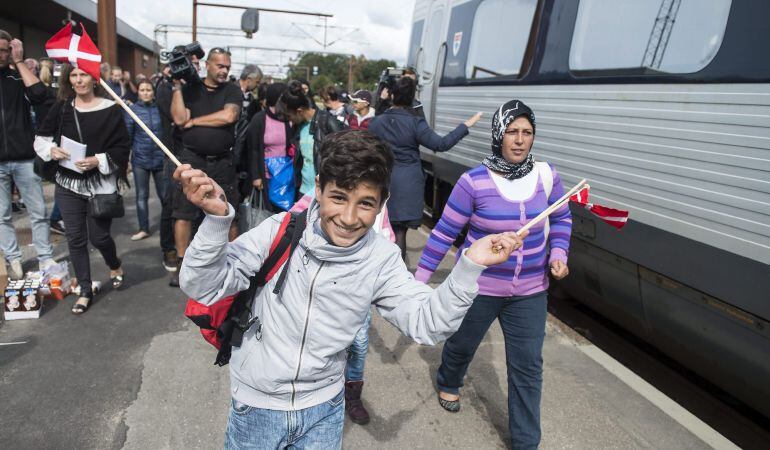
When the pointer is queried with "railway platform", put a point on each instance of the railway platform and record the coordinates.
(589, 401)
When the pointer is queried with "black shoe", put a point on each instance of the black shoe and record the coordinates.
(174, 282)
(170, 260)
(58, 227)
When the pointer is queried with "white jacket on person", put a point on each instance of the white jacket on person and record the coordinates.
(299, 360)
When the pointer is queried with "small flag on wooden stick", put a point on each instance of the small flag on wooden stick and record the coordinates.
(80, 51)
(614, 217)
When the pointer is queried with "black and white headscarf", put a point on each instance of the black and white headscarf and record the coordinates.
(507, 113)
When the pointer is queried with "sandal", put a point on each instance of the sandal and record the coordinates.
(81, 305)
(117, 278)
(449, 405)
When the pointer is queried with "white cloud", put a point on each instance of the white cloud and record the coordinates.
(382, 27)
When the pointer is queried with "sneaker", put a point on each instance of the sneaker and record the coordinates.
(16, 272)
(169, 260)
(174, 281)
(140, 235)
(58, 227)
(46, 263)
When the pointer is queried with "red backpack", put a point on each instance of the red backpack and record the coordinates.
(224, 322)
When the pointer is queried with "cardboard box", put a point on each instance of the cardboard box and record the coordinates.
(23, 300)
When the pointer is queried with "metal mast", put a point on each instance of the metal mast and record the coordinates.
(661, 32)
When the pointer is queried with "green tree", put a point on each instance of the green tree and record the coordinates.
(334, 69)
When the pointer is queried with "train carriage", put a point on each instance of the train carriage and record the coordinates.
(665, 107)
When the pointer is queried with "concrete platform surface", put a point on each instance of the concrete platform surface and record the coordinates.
(134, 373)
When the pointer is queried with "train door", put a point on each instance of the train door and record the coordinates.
(428, 61)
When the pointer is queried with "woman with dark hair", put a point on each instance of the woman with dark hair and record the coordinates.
(269, 136)
(311, 127)
(147, 161)
(504, 193)
(83, 115)
(406, 132)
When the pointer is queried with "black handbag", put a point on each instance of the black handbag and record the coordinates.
(106, 206)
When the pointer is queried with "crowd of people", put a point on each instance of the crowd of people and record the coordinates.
(351, 165)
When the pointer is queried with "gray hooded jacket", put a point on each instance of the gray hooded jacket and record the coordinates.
(299, 359)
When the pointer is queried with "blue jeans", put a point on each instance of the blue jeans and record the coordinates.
(523, 322)
(142, 182)
(357, 351)
(31, 189)
(55, 212)
(317, 427)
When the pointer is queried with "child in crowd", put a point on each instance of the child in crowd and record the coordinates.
(287, 381)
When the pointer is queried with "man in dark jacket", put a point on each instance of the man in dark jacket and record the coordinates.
(17, 154)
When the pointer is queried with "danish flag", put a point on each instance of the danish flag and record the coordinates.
(613, 217)
(80, 51)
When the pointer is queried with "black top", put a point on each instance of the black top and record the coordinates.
(103, 131)
(202, 101)
(41, 108)
(16, 134)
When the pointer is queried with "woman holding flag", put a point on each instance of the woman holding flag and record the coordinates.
(82, 115)
(504, 193)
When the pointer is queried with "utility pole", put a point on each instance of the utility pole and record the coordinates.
(107, 35)
(196, 3)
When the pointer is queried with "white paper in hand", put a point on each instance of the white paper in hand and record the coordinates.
(77, 152)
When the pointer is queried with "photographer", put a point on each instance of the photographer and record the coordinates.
(206, 112)
(388, 81)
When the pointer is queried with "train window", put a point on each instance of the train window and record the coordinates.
(666, 36)
(501, 31)
(414, 45)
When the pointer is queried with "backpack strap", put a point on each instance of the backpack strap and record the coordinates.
(239, 317)
(546, 177)
(299, 228)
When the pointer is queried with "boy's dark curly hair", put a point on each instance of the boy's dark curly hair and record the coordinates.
(350, 157)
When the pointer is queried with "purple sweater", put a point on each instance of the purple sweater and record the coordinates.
(476, 199)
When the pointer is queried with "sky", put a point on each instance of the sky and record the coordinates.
(376, 29)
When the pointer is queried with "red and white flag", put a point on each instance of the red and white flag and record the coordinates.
(80, 51)
(613, 217)
(581, 197)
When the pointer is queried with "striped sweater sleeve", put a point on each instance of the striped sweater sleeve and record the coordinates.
(456, 215)
(560, 223)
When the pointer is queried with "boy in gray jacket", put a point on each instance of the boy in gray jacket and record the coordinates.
(287, 381)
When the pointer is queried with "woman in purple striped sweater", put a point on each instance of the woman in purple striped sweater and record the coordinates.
(503, 194)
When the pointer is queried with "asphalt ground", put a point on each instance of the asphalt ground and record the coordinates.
(133, 372)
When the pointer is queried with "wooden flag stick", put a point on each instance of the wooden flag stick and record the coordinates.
(564, 198)
(139, 121)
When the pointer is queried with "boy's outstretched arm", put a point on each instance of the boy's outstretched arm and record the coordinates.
(428, 315)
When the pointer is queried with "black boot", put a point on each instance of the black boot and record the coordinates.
(353, 404)
(174, 282)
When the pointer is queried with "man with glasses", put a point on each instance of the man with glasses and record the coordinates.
(206, 112)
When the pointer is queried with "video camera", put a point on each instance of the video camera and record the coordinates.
(180, 62)
(388, 80)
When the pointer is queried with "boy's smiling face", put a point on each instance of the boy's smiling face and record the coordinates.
(346, 215)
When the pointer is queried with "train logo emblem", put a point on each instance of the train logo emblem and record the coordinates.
(458, 40)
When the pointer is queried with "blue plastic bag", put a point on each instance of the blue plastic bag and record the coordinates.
(280, 186)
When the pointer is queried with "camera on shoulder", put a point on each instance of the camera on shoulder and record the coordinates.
(180, 62)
